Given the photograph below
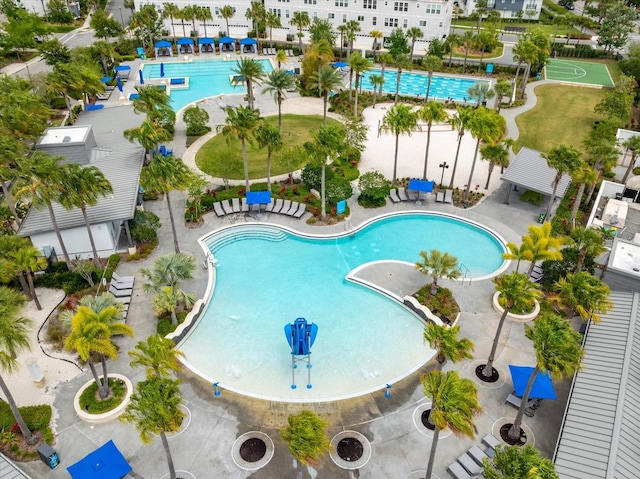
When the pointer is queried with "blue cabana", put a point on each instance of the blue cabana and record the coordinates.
(185, 45)
(206, 44)
(339, 64)
(249, 45)
(542, 387)
(107, 462)
(227, 44)
(163, 49)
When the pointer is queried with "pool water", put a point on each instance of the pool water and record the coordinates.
(207, 78)
(266, 277)
(442, 87)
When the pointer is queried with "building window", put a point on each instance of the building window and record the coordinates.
(344, 18)
(401, 6)
(405, 23)
(433, 8)
(531, 6)
(315, 14)
(342, 3)
(422, 23)
(310, 2)
(331, 16)
(391, 22)
(217, 11)
(440, 24)
(370, 4)
(491, 4)
(286, 14)
(374, 21)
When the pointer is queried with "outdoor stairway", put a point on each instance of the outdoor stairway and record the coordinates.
(225, 237)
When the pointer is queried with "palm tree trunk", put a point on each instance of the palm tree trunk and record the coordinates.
(531, 266)
(173, 224)
(382, 68)
(395, 160)
(491, 166)
(59, 236)
(326, 99)
(167, 452)
(374, 96)
(488, 368)
(269, 170)
(322, 188)
(32, 290)
(397, 85)
(23, 284)
(280, 112)
(525, 78)
(426, 153)
(551, 200)
(246, 165)
(592, 189)
(576, 204)
(104, 390)
(174, 318)
(432, 454)
(630, 168)
(96, 260)
(250, 93)
(514, 432)
(455, 162)
(10, 202)
(426, 97)
(350, 83)
(94, 373)
(26, 432)
(355, 104)
(581, 257)
(473, 167)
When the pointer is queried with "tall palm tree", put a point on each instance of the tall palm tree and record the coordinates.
(589, 242)
(466, 40)
(353, 27)
(40, 183)
(270, 138)
(203, 15)
(91, 334)
(517, 253)
(252, 72)
(632, 144)
(325, 80)
(155, 104)
(240, 124)
(502, 88)
(358, 65)
(432, 112)
(281, 57)
(190, 12)
(227, 12)
(444, 340)
(402, 63)
(158, 355)
(399, 120)
(377, 35)
(28, 260)
(272, 20)
(155, 411)
(430, 63)
(12, 152)
(168, 300)
(183, 14)
(377, 81)
(277, 83)
(454, 403)
(256, 13)
(148, 135)
(519, 462)
(164, 175)
(306, 437)
(516, 291)
(168, 270)
(495, 154)
(584, 294)
(460, 122)
(384, 59)
(558, 351)
(300, 20)
(342, 30)
(413, 34)
(438, 265)
(564, 159)
(14, 338)
(584, 175)
(9, 269)
(481, 92)
(482, 40)
(453, 41)
(83, 186)
(321, 52)
(171, 11)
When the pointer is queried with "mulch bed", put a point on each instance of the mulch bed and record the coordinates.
(495, 375)
(29, 452)
(253, 449)
(424, 418)
(504, 434)
(350, 449)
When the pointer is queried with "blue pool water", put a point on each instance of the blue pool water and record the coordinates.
(207, 78)
(266, 277)
(442, 87)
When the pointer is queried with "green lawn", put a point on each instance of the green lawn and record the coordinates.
(296, 130)
(563, 114)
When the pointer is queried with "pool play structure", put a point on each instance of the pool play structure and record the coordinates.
(263, 276)
(415, 84)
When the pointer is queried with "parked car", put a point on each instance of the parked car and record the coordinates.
(570, 6)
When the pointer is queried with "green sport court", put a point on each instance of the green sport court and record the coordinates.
(574, 71)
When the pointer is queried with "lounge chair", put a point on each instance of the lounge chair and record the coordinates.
(217, 207)
(122, 299)
(290, 53)
(440, 197)
(515, 401)
(264, 51)
(448, 196)
(393, 194)
(245, 206)
(277, 208)
(301, 210)
(294, 207)
(122, 279)
(470, 465)
(121, 286)
(269, 207)
(285, 207)
(226, 207)
(458, 471)
(477, 454)
(120, 293)
(402, 194)
(422, 197)
(491, 441)
(235, 205)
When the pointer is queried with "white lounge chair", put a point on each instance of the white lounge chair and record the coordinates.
(440, 197)
(269, 207)
(217, 207)
(245, 206)
(393, 194)
(402, 194)
(226, 207)
(458, 471)
(491, 441)
(294, 207)
(448, 196)
(285, 207)
(277, 208)
(470, 465)
(235, 205)
(477, 454)
(120, 293)
(122, 299)
(301, 210)
(122, 279)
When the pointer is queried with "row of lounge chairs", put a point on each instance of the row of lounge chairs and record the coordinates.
(273, 51)
(108, 89)
(469, 465)
(446, 197)
(287, 207)
(237, 205)
(121, 289)
(402, 194)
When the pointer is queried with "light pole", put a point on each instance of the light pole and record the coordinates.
(121, 17)
(444, 166)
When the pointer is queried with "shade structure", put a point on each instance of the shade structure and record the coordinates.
(141, 77)
(163, 44)
(106, 79)
(106, 462)
(248, 41)
(225, 40)
(542, 387)
(161, 70)
(185, 41)
(339, 64)
(119, 83)
(206, 41)
(421, 185)
(122, 68)
(258, 197)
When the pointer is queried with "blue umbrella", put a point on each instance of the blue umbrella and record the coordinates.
(542, 387)
(119, 83)
(339, 64)
(141, 77)
(161, 70)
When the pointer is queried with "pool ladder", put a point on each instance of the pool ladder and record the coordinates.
(466, 274)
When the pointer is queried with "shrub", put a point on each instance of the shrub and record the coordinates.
(36, 417)
(61, 278)
(374, 188)
(144, 226)
(143, 250)
(166, 327)
(337, 189)
(442, 304)
(196, 120)
(312, 175)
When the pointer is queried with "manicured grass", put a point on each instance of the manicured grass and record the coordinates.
(563, 114)
(296, 130)
(90, 403)
(548, 29)
(475, 55)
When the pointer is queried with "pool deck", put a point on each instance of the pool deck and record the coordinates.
(399, 447)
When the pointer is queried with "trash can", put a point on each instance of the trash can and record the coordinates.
(48, 455)
(542, 217)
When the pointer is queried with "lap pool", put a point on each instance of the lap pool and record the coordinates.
(266, 276)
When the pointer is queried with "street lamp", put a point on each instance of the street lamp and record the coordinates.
(444, 166)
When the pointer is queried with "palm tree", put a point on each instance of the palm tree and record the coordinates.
(430, 63)
(278, 82)
(28, 260)
(256, 13)
(252, 72)
(398, 120)
(272, 20)
(496, 154)
(9, 244)
(300, 20)
(168, 270)
(466, 40)
(453, 41)
(14, 338)
(432, 112)
(516, 291)
(377, 35)
(460, 122)
(158, 355)
(40, 183)
(239, 124)
(11, 155)
(413, 33)
(481, 92)
(148, 135)
(227, 12)
(155, 104)
(584, 175)
(541, 246)
(563, 159)
(438, 265)
(270, 138)
(306, 437)
(519, 462)
(202, 15)
(168, 300)
(558, 351)
(632, 144)
(482, 40)
(444, 340)
(584, 294)
(171, 10)
(384, 59)
(97, 304)
(342, 30)
(164, 175)
(91, 334)
(589, 242)
(502, 88)
(402, 62)
(358, 65)
(190, 12)
(454, 403)
(321, 52)
(353, 27)
(281, 57)
(83, 186)
(325, 80)
(155, 411)
(376, 81)
(516, 252)
(182, 14)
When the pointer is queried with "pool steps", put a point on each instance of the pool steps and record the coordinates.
(225, 237)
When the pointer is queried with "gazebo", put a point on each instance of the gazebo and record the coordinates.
(249, 45)
(227, 44)
(163, 49)
(185, 45)
(206, 44)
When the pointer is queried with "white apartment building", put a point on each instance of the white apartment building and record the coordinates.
(433, 17)
(508, 8)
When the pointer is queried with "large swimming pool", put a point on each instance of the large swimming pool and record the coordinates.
(415, 84)
(207, 78)
(267, 276)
